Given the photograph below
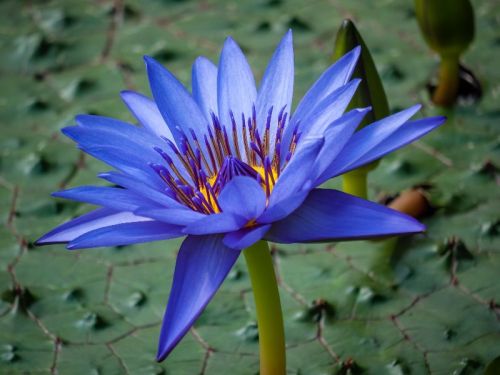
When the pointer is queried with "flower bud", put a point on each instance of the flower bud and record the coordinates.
(447, 25)
(370, 92)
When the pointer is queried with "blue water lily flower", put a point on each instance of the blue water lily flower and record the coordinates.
(228, 165)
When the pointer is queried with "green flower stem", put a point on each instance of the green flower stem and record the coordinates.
(448, 80)
(356, 183)
(269, 315)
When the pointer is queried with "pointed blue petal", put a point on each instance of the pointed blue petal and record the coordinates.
(366, 139)
(202, 265)
(245, 237)
(325, 112)
(276, 89)
(216, 223)
(101, 133)
(97, 131)
(283, 207)
(409, 132)
(243, 196)
(298, 174)
(125, 234)
(147, 113)
(328, 110)
(204, 77)
(127, 163)
(235, 86)
(118, 151)
(330, 215)
(114, 198)
(102, 217)
(139, 188)
(334, 77)
(176, 105)
(108, 130)
(97, 122)
(337, 134)
(177, 216)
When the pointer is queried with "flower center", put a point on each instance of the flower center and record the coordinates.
(196, 171)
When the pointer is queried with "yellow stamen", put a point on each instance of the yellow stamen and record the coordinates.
(272, 178)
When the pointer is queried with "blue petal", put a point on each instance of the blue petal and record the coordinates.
(406, 134)
(245, 237)
(243, 196)
(114, 198)
(328, 110)
(366, 139)
(101, 131)
(126, 162)
(98, 133)
(111, 132)
(202, 265)
(97, 122)
(140, 188)
(337, 135)
(204, 77)
(147, 113)
(283, 207)
(316, 122)
(102, 217)
(330, 215)
(98, 130)
(298, 174)
(177, 216)
(126, 234)
(333, 78)
(216, 223)
(176, 105)
(118, 151)
(235, 86)
(276, 89)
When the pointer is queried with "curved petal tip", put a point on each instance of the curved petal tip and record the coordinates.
(148, 59)
(202, 265)
(151, 62)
